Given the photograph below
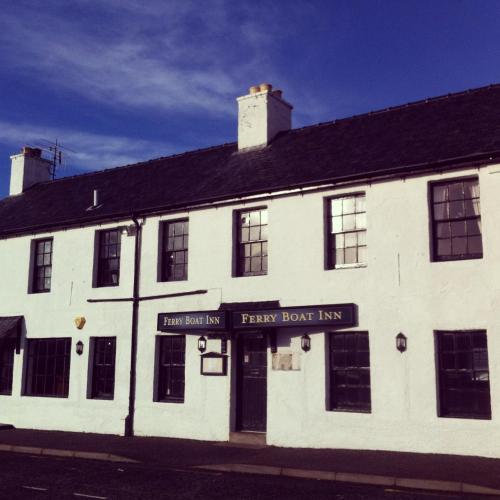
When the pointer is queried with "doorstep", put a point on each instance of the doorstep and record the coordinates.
(251, 438)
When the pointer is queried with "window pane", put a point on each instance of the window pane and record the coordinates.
(348, 222)
(440, 193)
(348, 205)
(455, 191)
(336, 206)
(336, 224)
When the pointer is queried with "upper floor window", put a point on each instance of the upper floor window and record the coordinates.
(175, 250)
(347, 231)
(47, 370)
(108, 262)
(252, 242)
(42, 265)
(456, 220)
(463, 373)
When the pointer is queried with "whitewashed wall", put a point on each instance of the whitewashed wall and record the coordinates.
(400, 289)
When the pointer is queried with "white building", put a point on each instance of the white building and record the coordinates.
(310, 250)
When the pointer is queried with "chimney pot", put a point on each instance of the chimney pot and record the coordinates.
(266, 87)
(254, 89)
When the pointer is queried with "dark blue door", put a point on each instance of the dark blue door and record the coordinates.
(252, 382)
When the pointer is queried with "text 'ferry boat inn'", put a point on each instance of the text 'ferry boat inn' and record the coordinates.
(333, 286)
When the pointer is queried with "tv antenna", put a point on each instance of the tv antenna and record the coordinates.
(55, 150)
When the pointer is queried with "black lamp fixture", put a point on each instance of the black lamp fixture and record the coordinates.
(305, 342)
(79, 348)
(400, 342)
(202, 344)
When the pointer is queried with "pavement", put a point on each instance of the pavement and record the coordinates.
(431, 472)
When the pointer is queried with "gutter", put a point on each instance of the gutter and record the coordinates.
(469, 161)
(129, 420)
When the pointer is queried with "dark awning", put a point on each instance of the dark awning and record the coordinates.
(10, 327)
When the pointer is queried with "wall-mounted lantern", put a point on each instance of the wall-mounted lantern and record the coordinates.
(305, 342)
(400, 342)
(202, 344)
(79, 348)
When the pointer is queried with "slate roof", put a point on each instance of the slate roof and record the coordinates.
(440, 132)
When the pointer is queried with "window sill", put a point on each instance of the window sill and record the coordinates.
(348, 266)
(106, 286)
(37, 292)
(467, 417)
(176, 401)
(102, 398)
(249, 275)
(43, 396)
(349, 410)
(457, 258)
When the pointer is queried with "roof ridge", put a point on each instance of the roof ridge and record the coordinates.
(130, 165)
(295, 130)
(400, 106)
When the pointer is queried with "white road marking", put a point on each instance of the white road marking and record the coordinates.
(89, 496)
(36, 488)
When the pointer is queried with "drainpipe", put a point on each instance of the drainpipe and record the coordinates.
(129, 420)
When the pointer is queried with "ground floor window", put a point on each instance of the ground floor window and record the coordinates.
(171, 354)
(350, 372)
(7, 348)
(103, 367)
(47, 369)
(463, 374)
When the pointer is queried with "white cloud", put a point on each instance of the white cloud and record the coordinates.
(86, 151)
(162, 55)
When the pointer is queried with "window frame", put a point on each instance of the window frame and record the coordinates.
(8, 347)
(99, 261)
(34, 267)
(433, 223)
(334, 404)
(164, 273)
(30, 369)
(442, 404)
(95, 367)
(239, 246)
(164, 370)
(330, 248)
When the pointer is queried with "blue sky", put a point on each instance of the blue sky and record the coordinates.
(118, 81)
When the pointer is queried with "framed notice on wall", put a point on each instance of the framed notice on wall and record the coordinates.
(213, 363)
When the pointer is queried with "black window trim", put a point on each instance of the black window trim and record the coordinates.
(97, 278)
(329, 260)
(26, 368)
(8, 345)
(33, 267)
(329, 367)
(432, 223)
(91, 378)
(437, 364)
(237, 272)
(160, 339)
(163, 236)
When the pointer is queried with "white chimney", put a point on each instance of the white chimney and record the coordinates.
(28, 168)
(261, 115)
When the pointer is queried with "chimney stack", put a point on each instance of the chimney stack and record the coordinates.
(262, 113)
(28, 168)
